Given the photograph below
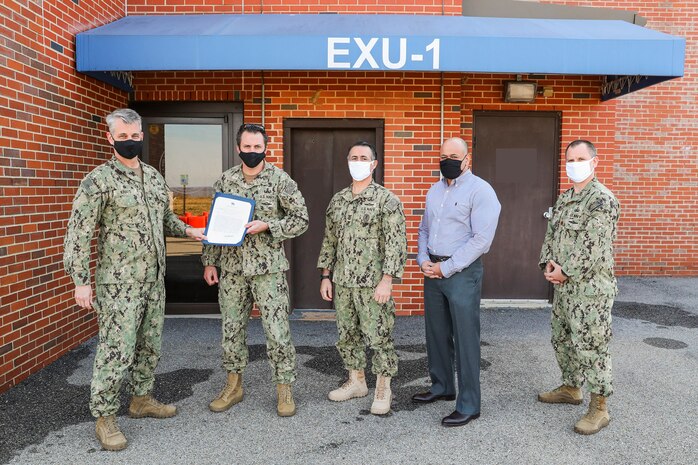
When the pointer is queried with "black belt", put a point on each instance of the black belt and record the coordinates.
(438, 258)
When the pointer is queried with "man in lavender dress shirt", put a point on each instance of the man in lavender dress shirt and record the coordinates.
(458, 226)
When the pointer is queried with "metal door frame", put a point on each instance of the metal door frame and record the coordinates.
(230, 116)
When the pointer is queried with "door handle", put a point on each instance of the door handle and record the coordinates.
(548, 214)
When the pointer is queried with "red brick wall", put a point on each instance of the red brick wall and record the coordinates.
(420, 7)
(411, 122)
(655, 151)
(409, 161)
(410, 105)
(52, 135)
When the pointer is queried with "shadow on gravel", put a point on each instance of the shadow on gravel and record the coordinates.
(46, 402)
(663, 315)
(665, 343)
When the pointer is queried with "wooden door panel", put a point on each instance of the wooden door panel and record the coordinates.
(517, 154)
(312, 168)
(316, 157)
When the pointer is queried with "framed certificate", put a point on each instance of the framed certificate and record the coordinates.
(227, 219)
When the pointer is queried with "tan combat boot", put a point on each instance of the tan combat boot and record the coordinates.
(355, 386)
(285, 407)
(230, 395)
(146, 406)
(383, 396)
(562, 395)
(108, 433)
(596, 418)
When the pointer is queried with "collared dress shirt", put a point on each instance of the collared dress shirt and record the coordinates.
(459, 221)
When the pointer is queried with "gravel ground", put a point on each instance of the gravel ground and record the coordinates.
(45, 419)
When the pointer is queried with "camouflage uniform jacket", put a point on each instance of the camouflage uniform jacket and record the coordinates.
(279, 203)
(133, 218)
(580, 239)
(364, 237)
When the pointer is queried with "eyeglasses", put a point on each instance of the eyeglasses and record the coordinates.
(253, 127)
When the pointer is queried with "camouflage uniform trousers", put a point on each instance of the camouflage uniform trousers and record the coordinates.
(236, 294)
(130, 318)
(581, 332)
(360, 318)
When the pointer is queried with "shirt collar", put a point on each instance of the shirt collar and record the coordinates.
(459, 179)
(124, 170)
(239, 176)
(369, 189)
(584, 192)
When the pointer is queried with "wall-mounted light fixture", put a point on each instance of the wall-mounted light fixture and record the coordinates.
(520, 91)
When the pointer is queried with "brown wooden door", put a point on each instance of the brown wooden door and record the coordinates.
(315, 154)
(517, 153)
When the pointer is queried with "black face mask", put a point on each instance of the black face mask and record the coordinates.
(450, 168)
(252, 159)
(128, 148)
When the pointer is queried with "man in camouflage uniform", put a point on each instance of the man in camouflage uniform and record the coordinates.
(255, 271)
(577, 257)
(129, 202)
(365, 247)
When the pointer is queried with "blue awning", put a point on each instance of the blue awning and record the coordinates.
(380, 42)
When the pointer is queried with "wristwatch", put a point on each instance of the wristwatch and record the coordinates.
(324, 276)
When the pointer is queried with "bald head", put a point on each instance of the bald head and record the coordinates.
(454, 157)
(454, 145)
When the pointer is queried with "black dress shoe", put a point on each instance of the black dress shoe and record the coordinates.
(459, 419)
(428, 397)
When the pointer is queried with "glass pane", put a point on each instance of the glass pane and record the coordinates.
(192, 152)
(189, 156)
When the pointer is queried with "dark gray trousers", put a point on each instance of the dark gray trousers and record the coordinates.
(452, 320)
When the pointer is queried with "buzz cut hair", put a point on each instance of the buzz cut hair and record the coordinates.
(126, 115)
(590, 147)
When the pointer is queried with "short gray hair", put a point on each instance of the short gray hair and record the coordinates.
(126, 115)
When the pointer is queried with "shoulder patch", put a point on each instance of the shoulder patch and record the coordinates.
(89, 186)
(597, 204)
(289, 187)
(392, 204)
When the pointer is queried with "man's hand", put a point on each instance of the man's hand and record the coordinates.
(553, 273)
(548, 267)
(384, 290)
(83, 296)
(326, 290)
(210, 275)
(426, 269)
(195, 233)
(432, 270)
(256, 226)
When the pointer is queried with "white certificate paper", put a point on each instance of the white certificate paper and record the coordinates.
(227, 219)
